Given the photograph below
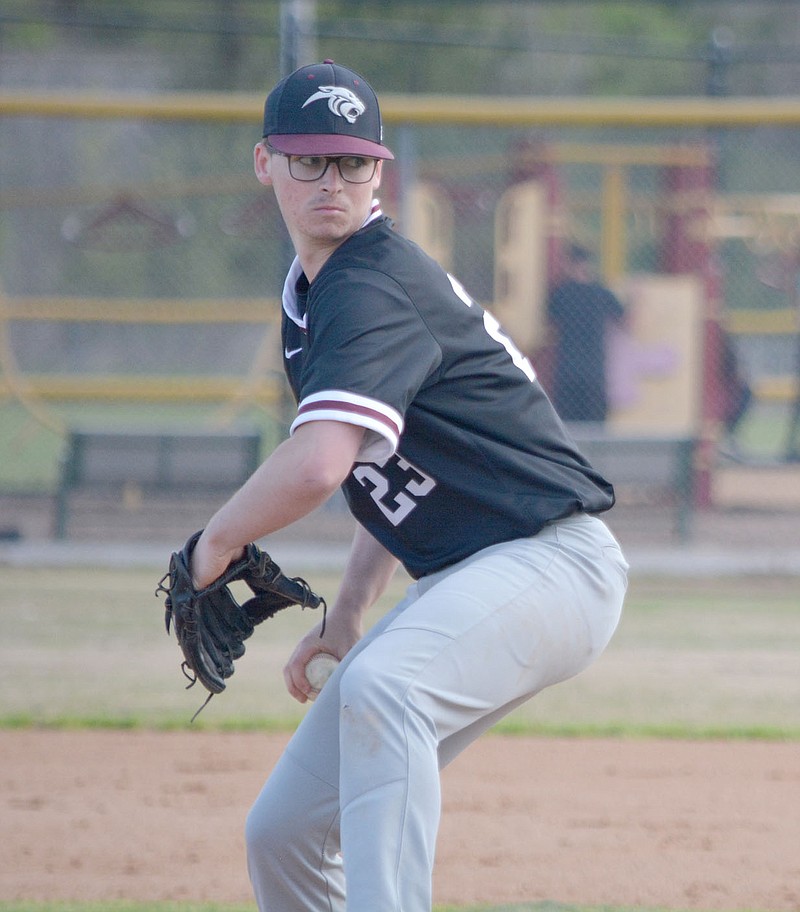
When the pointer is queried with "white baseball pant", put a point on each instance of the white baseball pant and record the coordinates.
(355, 798)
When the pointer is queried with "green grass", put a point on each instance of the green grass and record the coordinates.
(764, 430)
(121, 907)
(693, 659)
(23, 906)
(29, 451)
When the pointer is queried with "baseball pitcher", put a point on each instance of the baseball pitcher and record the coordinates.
(413, 400)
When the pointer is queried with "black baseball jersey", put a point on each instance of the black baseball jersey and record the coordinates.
(463, 448)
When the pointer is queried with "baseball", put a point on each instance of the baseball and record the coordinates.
(319, 668)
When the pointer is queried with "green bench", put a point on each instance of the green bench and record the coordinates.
(152, 462)
(648, 469)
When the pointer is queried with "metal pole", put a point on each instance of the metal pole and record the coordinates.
(406, 173)
(614, 245)
(298, 34)
(297, 48)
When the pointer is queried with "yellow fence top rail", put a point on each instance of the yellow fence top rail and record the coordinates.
(141, 310)
(422, 109)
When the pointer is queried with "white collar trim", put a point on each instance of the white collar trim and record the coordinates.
(289, 296)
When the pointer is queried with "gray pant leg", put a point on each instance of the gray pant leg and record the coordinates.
(292, 835)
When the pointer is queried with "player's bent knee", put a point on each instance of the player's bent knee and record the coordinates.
(274, 820)
(262, 829)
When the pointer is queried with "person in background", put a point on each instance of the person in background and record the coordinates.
(736, 394)
(580, 309)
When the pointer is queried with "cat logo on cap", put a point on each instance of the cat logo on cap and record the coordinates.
(341, 102)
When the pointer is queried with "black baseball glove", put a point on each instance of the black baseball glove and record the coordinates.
(210, 624)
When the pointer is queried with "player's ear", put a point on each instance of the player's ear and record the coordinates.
(262, 164)
(378, 172)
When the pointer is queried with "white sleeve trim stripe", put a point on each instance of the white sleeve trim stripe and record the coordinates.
(377, 427)
(358, 405)
(339, 405)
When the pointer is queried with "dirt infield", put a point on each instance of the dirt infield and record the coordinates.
(680, 825)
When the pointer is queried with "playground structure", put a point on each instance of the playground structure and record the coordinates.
(666, 380)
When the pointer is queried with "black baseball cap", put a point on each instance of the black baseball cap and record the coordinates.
(324, 109)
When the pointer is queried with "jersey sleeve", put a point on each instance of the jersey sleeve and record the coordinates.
(370, 352)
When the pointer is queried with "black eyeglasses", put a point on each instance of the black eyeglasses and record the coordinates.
(354, 169)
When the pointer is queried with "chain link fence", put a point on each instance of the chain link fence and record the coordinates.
(141, 262)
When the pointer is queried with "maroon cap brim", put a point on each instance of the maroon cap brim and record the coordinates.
(327, 144)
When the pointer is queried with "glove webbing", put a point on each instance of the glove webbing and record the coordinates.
(189, 673)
